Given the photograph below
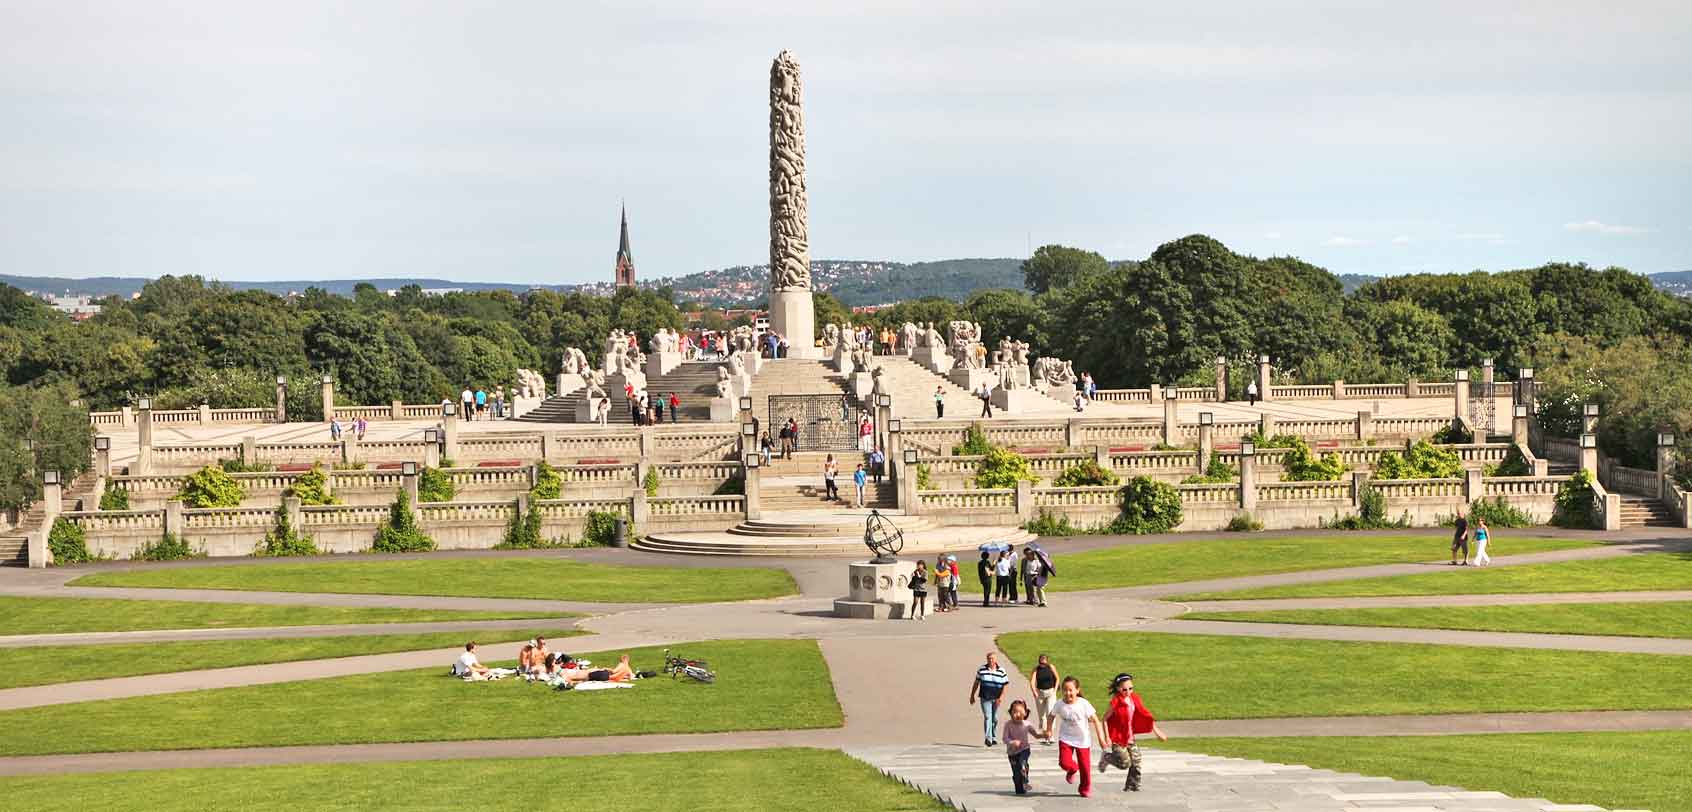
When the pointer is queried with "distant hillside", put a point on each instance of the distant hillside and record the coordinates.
(1353, 281)
(854, 282)
(1678, 283)
(124, 287)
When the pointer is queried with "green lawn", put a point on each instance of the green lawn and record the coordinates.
(1631, 573)
(727, 781)
(1141, 564)
(761, 685)
(1625, 619)
(66, 615)
(1612, 770)
(47, 665)
(552, 578)
(1214, 677)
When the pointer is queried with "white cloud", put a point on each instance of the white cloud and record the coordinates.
(1401, 240)
(1595, 227)
(1482, 235)
(1343, 242)
(1273, 235)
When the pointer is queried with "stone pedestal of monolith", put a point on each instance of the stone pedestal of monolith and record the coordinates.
(1016, 401)
(933, 359)
(661, 363)
(876, 591)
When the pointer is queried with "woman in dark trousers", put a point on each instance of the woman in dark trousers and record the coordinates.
(984, 571)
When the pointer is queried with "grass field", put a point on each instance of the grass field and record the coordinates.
(1142, 564)
(1665, 619)
(546, 578)
(1612, 770)
(1631, 573)
(761, 685)
(727, 781)
(47, 665)
(66, 615)
(1212, 677)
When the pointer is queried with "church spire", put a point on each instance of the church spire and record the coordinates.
(625, 258)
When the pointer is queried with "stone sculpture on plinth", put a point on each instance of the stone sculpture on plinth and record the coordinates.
(791, 310)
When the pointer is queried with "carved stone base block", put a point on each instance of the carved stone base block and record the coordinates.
(722, 410)
(933, 359)
(876, 591)
(1016, 401)
(842, 362)
(660, 363)
(970, 380)
(793, 316)
(567, 383)
(614, 384)
(1062, 394)
(585, 410)
(860, 385)
(752, 361)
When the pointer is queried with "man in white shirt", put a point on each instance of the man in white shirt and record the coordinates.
(467, 665)
(467, 401)
(1076, 723)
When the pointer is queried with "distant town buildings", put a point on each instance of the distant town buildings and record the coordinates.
(79, 308)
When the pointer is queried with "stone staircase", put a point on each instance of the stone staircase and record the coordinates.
(792, 376)
(694, 383)
(1643, 511)
(825, 533)
(78, 494)
(912, 388)
(794, 493)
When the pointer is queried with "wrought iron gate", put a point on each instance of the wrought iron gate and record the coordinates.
(1483, 409)
(826, 422)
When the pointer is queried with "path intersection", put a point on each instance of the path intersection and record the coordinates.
(880, 671)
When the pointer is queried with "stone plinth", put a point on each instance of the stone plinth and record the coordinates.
(792, 316)
(722, 410)
(1064, 394)
(876, 591)
(567, 383)
(842, 360)
(970, 379)
(860, 385)
(660, 363)
(614, 384)
(933, 359)
(1016, 401)
(751, 360)
(585, 409)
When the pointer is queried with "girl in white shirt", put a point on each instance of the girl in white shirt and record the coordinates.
(1076, 723)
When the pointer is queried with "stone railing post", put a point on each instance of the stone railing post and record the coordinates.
(648, 443)
(546, 443)
(40, 555)
(449, 431)
(52, 494)
(1206, 440)
(1071, 433)
(1359, 483)
(1589, 418)
(1339, 389)
(1365, 424)
(103, 457)
(533, 472)
(1101, 456)
(640, 514)
(408, 481)
(432, 448)
(396, 410)
(349, 449)
(144, 437)
(1266, 425)
(1263, 379)
(1221, 379)
(1412, 389)
(128, 416)
(175, 522)
(1024, 501)
(281, 398)
(1524, 389)
(291, 508)
(1460, 396)
(1487, 376)
(1589, 453)
(1171, 429)
(1248, 477)
(1474, 485)
(249, 450)
(328, 398)
(1665, 462)
(894, 452)
(1157, 391)
(754, 489)
(1519, 425)
(205, 414)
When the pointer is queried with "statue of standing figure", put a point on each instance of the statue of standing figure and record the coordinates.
(965, 336)
(830, 339)
(931, 337)
(908, 337)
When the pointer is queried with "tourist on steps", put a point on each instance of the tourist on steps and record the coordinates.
(859, 477)
(675, 403)
(986, 395)
(830, 469)
(878, 463)
(939, 403)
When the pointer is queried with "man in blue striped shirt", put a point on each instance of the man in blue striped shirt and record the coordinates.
(988, 686)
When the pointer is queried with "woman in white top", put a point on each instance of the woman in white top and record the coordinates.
(1076, 723)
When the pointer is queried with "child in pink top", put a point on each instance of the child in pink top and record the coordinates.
(1019, 739)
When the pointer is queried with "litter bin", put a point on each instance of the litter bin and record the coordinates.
(620, 537)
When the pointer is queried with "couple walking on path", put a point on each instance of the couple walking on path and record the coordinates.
(1075, 719)
(1460, 541)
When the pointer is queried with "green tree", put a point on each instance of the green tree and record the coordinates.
(1055, 266)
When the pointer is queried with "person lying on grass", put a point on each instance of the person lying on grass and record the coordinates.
(572, 676)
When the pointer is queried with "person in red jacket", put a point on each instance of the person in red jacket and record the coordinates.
(1127, 716)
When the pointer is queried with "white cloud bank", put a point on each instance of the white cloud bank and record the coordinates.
(1595, 227)
(1343, 242)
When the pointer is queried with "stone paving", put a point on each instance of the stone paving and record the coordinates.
(978, 780)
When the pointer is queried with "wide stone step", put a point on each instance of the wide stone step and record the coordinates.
(917, 542)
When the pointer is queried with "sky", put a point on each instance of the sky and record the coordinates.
(495, 141)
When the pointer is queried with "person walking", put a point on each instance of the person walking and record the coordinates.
(830, 469)
(792, 436)
(765, 445)
(878, 464)
(335, 429)
(1002, 578)
(1126, 717)
(986, 688)
(359, 427)
(1043, 684)
(467, 399)
(1482, 536)
(866, 434)
(481, 404)
(675, 403)
(955, 581)
(604, 411)
(942, 574)
(986, 395)
(984, 572)
(859, 477)
(939, 403)
(919, 591)
(1019, 744)
(1077, 721)
(1460, 539)
(1251, 393)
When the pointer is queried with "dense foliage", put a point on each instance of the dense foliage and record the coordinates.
(1642, 386)
(975, 443)
(211, 487)
(1148, 506)
(67, 542)
(435, 485)
(548, 484)
(1003, 468)
(281, 540)
(57, 427)
(1371, 514)
(651, 481)
(312, 488)
(1574, 507)
(1244, 523)
(1514, 464)
(169, 547)
(1496, 513)
(114, 498)
(1217, 473)
(1423, 460)
(400, 533)
(1300, 464)
(523, 532)
(1088, 473)
(600, 528)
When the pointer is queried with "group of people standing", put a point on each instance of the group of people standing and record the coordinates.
(1062, 713)
(645, 409)
(357, 427)
(999, 580)
(480, 404)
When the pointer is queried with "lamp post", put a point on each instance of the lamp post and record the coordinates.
(751, 485)
(281, 398)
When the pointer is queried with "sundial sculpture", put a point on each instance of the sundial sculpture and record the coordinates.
(884, 538)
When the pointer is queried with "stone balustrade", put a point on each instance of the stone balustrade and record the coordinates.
(1560, 449)
(989, 499)
(721, 506)
(1302, 491)
(206, 518)
(1634, 481)
(96, 523)
(1395, 489)
(1511, 488)
(1301, 392)
(341, 515)
(1136, 463)
(1107, 496)
(1209, 495)
(559, 509)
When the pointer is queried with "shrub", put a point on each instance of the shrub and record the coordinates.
(974, 444)
(281, 540)
(312, 488)
(1085, 474)
(1257, 438)
(523, 532)
(733, 486)
(548, 484)
(1496, 513)
(651, 481)
(1148, 506)
(211, 488)
(1514, 464)
(1163, 446)
(1303, 466)
(400, 534)
(241, 467)
(1216, 473)
(600, 528)
(1371, 514)
(114, 498)
(168, 548)
(1423, 460)
(435, 485)
(1244, 523)
(1454, 433)
(925, 479)
(1003, 468)
(1574, 503)
(68, 543)
(1047, 524)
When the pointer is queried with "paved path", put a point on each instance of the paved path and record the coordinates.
(1438, 637)
(1438, 601)
(979, 781)
(277, 632)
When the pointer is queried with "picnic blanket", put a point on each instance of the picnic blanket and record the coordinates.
(600, 686)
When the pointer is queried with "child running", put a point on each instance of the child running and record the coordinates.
(1128, 715)
(1019, 744)
(1076, 723)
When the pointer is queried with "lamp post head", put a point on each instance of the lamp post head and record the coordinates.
(1665, 440)
(1207, 419)
(1462, 374)
(753, 460)
(144, 404)
(431, 436)
(1590, 410)
(1588, 441)
(408, 468)
(1521, 411)
(749, 429)
(50, 477)
(102, 443)
(448, 410)
(910, 456)
(1248, 449)
(746, 403)
(328, 381)
(895, 425)
(1526, 374)
(281, 380)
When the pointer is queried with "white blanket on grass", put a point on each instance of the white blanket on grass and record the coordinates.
(600, 686)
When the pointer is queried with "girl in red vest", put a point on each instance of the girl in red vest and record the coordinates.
(1127, 716)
